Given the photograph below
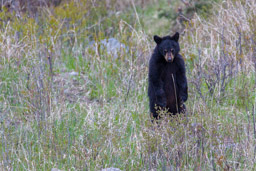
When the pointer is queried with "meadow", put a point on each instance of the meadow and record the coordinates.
(68, 102)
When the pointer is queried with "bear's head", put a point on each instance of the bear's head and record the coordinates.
(168, 46)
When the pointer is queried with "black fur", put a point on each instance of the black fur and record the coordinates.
(161, 86)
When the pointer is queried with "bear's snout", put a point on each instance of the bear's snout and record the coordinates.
(169, 57)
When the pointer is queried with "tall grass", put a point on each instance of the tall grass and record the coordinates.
(99, 116)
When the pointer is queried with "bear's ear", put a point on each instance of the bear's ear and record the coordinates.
(176, 36)
(157, 39)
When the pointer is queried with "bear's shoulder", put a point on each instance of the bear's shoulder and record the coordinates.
(180, 62)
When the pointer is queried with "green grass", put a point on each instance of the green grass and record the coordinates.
(100, 117)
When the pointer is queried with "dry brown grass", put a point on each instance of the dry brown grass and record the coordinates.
(100, 117)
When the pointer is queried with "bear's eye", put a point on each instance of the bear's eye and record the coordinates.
(165, 51)
(172, 50)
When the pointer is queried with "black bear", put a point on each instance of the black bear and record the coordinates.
(167, 87)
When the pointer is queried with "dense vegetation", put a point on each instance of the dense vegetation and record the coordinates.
(67, 102)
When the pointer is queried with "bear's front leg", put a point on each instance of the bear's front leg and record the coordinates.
(160, 98)
(182, 80)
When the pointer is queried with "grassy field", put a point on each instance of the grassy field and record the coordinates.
(68, 103)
